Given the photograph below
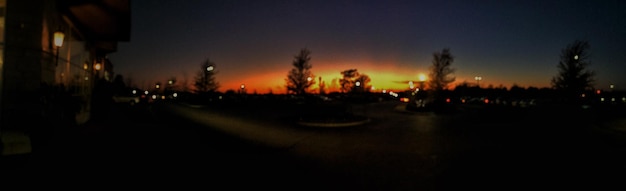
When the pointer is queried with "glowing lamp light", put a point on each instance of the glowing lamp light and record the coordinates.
(598, 92)
(146, 92)
(134, 92)
(209, 68)
(422, 77)
(358, 84)
(309, 79)
(98, 66)
(58, 38)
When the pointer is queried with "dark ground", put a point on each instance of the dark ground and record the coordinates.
(515, 149)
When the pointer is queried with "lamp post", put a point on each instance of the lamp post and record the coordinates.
(58, 42)
(478, 78)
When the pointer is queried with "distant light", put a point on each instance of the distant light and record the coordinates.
(146, 92)
(209, 68)
(623, 99)
(486, 100)
(175, 94)
(448, 100)
(154, 96)
(582, 95)
(384, 91)
(309, 79)
(411, 84)
(134, 91)
(612, 99)
(98, 66)
(598, 92)
(162, 97)
(170, 82)
(611, 86)
(422, 77)
(219, 97)
(576, 57)
(86, 78)
(85, 66)
(602, 99)
(242, 86)
(373, 88)
(157, 86)
(404, 99)
(358, 83)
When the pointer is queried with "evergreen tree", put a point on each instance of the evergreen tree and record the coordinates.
(300, 77)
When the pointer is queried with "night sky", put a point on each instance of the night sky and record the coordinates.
(253, 42)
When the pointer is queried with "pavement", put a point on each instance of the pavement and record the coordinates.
(71, 149)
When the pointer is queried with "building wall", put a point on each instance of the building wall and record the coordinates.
(22, 68)
(43, 87)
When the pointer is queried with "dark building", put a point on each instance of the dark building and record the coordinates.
(53, 52)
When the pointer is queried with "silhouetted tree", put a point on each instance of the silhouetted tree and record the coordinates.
(347, 82)
(573, 75)
(300, 77)
(364, 83)
(354, 82)
(439, 79)
(205, 79)
(441, 70)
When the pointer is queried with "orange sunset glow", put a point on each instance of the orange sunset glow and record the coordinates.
(383, 77)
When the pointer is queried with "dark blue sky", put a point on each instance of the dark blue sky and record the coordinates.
(253, 42)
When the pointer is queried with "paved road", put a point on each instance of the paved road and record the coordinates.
(174, 144)
(475, 148)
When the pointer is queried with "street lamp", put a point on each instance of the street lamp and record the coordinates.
(98, 66)
(243, 86)
(58, 42)
(209, 68)
(422, 79)
(478, 78)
